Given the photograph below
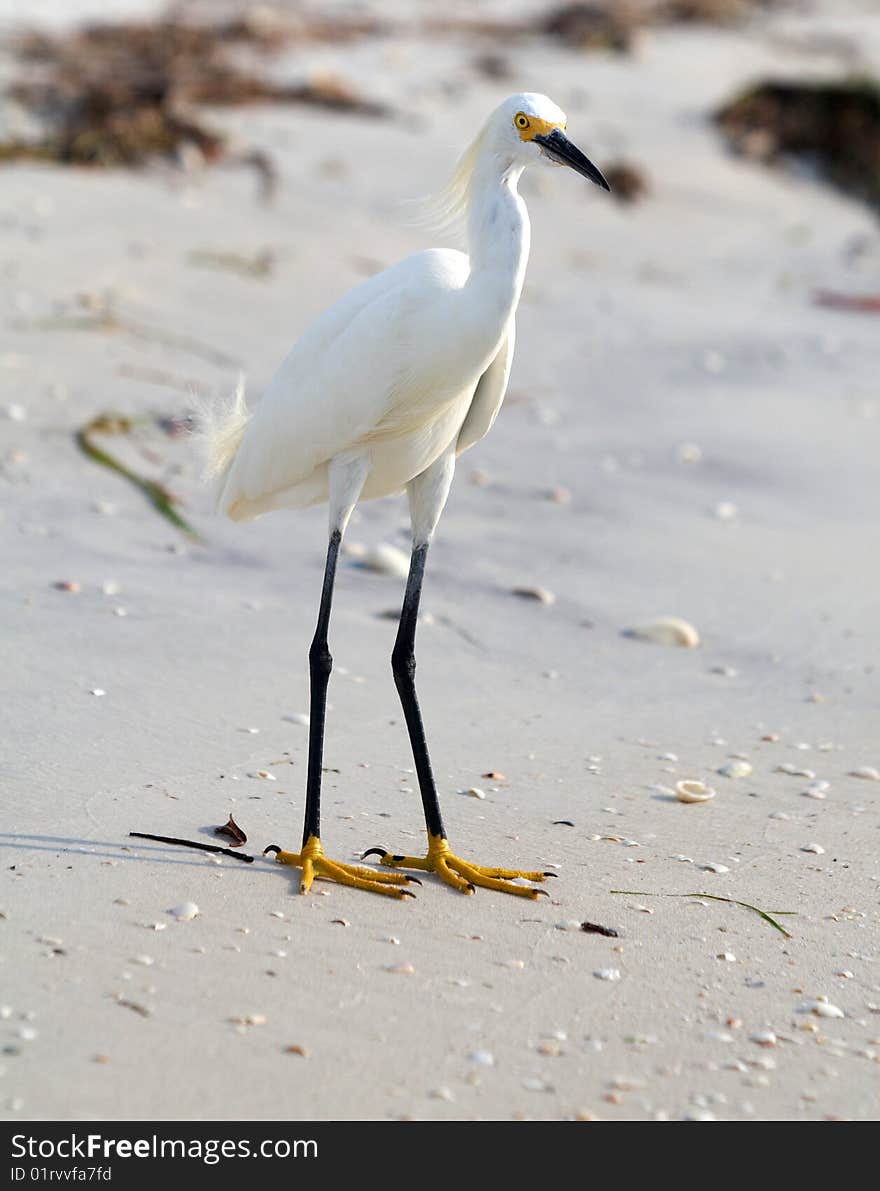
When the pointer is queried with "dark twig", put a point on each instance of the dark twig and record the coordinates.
(190, 843)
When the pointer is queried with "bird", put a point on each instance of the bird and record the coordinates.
(380, 395)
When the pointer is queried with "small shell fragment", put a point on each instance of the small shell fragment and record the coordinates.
(610, 974)
(404, 969)
(482, 1058)
(735, 768)
(714, 867)
(667, 630)
(763, 1038)
(539, 594)
(185, 912)
(815, 848)
(867, 773)
(476, 792)
(693, 791)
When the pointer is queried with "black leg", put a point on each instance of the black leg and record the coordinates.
(403, 663)
(320, 665)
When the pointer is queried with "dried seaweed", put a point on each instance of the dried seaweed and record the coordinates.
(112, 95)
(716, 897)
(628, 182)
(832, 125)
(157, 494)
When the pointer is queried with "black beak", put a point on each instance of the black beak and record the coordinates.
(559, 148)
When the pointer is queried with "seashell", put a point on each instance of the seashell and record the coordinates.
(795, 770)
(607, 974)
(816, 848)
(735, 768)
(714, 867)
(385, 559)
(185, 912)
(763, 1038)
(817, 790)
(476, 792)
(824, 1009)
(667, 630)
(692, 790)
(867, 772)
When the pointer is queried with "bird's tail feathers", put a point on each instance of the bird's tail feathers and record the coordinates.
(219, 429)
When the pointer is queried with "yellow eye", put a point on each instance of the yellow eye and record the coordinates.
(521, 121)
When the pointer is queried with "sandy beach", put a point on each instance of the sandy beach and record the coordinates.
(687, 433)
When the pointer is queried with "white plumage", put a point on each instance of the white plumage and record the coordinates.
(409, 365)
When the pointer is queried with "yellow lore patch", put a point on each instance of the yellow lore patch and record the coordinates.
(529, 127)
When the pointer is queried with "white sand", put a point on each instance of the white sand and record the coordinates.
(687, 319)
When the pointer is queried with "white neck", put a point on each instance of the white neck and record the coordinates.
(498, 229)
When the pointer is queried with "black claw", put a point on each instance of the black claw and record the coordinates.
(415, 880)
(374, 852)
(540, 893)
(551, 874)
(471, 887)
(407, 893)
(273, 848)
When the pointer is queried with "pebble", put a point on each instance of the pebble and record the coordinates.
(540, 595)
(667, 630)
(610, 974)
(867, 773)
(734, 769)
(689, 452)
(552, 1049)
(691, 790)
(816, 848)
(568, 924)
(184, 912)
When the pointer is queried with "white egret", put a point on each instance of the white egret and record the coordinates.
(380, 394)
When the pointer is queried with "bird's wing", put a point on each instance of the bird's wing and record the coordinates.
(488, 395)
(339, 381)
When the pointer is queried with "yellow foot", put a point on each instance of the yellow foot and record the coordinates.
(314, 863)
(460, 874)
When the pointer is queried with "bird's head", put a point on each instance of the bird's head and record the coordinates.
(529, 127)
